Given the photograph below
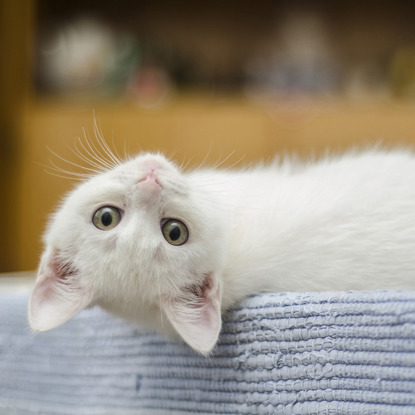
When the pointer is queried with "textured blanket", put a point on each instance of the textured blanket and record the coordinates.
(310, 353)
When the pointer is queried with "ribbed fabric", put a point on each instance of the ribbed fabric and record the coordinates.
(296, 353)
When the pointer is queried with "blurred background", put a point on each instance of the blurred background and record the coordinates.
(230, 81)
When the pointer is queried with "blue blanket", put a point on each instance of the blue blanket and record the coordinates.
(296, 353)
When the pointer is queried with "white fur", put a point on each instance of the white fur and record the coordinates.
(342, 223)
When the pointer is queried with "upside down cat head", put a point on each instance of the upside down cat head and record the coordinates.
(141, 241)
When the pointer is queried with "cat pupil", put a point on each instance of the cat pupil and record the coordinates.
(175, 234)
(106, 219)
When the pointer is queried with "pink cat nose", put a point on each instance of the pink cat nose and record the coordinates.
(150, 179)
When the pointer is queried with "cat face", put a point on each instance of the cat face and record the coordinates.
(141, 241)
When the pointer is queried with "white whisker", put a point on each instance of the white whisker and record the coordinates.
(184, 166)
(82, 156)
(94, 153)
(104, 145)
(51, 173)
(237, 162)
(54, 170)
(120, 160)
(202, 163)
(126, 151)
(218, 164)
(70, 162)
(53, 166)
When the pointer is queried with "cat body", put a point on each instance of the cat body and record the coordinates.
(173, 250)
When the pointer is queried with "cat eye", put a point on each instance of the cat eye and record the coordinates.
(174, 231)
(106, 218)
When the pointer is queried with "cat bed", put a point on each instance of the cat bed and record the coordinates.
(309, 353)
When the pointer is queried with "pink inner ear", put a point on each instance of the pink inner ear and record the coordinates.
(57, 295)
(196, 315)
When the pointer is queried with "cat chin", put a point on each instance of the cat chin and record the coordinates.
(149, 318)
(193, 314)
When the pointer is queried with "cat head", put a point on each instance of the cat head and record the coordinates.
(142, 241)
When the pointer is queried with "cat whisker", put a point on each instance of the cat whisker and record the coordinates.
(88, 172)
(53, 170)
(104, 145)
(120, 159)
(169, 156)
(97, 154)
(84, 158)
(51, 173)
(126, 151)
(237, 162)
(70, 163)
(220, 163)
(91, 150)
(186, 166)
(202, 163)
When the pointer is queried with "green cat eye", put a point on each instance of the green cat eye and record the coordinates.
(106, 218)
(174, 231)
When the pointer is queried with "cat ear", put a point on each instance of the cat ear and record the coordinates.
(198, 318)
(57, 295)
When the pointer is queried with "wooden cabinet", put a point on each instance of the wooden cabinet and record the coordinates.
(210, 127)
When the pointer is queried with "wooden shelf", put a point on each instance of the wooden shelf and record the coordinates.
(192, 124)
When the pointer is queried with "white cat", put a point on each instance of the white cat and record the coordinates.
(173, 249)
